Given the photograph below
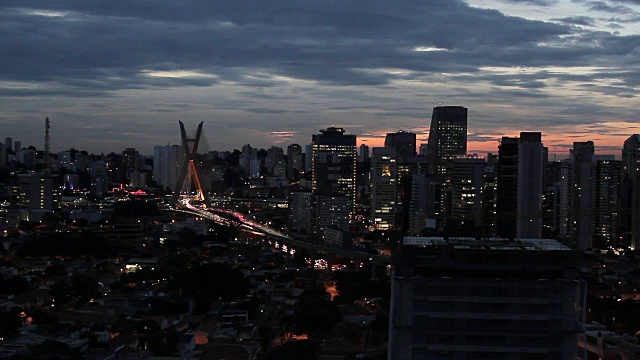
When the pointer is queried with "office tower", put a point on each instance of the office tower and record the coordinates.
(447, 137)
(580, 196)
(529, 201)
(403, 142)
(8, 143)
(384, 188)
(275, 160)
(631, 190)
(606, 203)
(166, 164)
(301, 212)
(17, 145)
(484, 299)
(334, 164)
(467, 179)
(295, 161)
(363, 153)
(331, 211)
(34, 191)
(507, 187)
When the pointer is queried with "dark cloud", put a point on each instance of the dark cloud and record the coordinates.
(578, 20)
(299, 64)
(533, 2)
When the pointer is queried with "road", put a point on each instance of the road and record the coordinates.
(222, 216)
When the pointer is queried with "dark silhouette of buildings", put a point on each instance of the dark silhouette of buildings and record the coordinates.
(403, 142)
(507, 187)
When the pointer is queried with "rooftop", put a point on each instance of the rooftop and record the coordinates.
(497, 244)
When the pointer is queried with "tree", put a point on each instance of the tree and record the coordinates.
(61, 292)
(209, 282)
(54, 350)
(10, 322)
(294, 350)
(315, 313)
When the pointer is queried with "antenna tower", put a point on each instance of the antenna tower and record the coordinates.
(47, 141)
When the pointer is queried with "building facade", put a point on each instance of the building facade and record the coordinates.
(484, 299)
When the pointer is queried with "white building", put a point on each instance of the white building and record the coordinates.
(166, 165)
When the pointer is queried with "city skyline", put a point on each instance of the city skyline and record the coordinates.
(117, 75)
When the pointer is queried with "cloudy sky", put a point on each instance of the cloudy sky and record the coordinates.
(121, 73)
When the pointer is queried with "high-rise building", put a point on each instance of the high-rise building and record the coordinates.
(34, 191)
(529, 201)
(8, 143)
(507, 187)
(384, 188)
(166, 165)
(99, 178)
(484, 299)
(331, 211)
(334, 164)
(407, 167)
(581, 196)
(630, 226)
(421, 204)
(275, 161)
(551, 199)
(403, 142)
(606, 203)
(295, 160)
(17, 145)
(301, 212)
(130, 160)
(3, 155)
(308, 163)
(467, 180)
(363, 153)
(447, 137)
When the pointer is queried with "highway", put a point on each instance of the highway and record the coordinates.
(222, 216)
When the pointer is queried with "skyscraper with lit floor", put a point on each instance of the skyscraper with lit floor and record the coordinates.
(333, 178)
(447, 139)
(333, 162)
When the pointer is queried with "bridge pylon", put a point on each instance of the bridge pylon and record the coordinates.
(188, 170)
